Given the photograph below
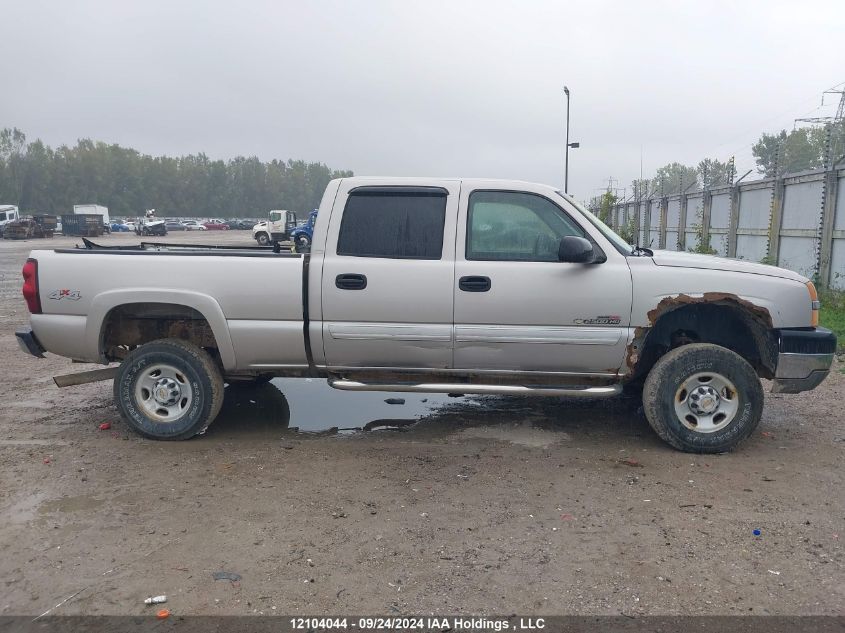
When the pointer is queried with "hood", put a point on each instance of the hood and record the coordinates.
(711, 262)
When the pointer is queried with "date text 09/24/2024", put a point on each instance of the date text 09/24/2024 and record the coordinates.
(432, 623)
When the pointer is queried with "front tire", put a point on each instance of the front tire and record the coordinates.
(703, 398)
(168, 390)
(263, 239)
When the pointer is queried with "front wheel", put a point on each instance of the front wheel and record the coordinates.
(703, 398)
(168, 390)
(263, 239)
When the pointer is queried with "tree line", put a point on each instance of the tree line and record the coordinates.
(40, 179)
(774, 154)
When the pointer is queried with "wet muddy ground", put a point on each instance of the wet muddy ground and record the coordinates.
(444, 505)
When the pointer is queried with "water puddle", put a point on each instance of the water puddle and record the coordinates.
(310, 405)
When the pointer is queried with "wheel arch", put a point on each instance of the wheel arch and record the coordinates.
(164, 307)
(720, 319)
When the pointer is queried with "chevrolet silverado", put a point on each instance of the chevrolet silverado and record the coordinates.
(435, 285)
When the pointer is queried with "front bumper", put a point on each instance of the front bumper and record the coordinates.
(804, 359)
(28, 343)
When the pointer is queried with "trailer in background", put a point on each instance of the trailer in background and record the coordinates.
(78, 225)
(89, 209)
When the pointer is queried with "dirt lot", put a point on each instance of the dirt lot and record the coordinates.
(485, 506)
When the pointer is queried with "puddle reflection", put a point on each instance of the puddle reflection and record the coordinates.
(310, 405)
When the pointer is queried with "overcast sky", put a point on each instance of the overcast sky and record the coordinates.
(422, 88)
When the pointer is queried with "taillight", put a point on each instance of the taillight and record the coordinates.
(30, 286)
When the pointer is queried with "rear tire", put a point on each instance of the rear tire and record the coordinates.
(168, 390)
(703, 398)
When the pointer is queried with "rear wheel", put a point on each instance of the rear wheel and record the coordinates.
(168, 390)
(703, 398)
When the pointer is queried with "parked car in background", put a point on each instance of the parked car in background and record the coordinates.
(216, 225)
(239, 224)
(193, 225)
(173, 225)
(121, 227)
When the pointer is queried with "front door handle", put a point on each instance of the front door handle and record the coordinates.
(474, 284)
(351, 281)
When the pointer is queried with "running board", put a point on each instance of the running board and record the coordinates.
(463, 388)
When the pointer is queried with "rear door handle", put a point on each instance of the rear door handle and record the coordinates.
(474, 284)
(351, 281)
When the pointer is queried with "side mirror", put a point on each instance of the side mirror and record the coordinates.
(575, 250)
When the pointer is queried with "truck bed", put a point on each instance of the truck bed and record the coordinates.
(252, 297)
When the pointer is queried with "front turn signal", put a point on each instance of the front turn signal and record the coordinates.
(815, 304)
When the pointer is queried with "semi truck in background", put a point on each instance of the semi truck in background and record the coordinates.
(278, 227)
(8, 213)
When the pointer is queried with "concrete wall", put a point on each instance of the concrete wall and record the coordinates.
(796, 221)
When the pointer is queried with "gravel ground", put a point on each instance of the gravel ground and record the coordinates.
(493, 505)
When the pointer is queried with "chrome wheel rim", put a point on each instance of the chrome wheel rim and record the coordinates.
(164, 393)
(706, 402)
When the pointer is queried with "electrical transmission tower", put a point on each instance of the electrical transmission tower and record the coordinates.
(840, 110)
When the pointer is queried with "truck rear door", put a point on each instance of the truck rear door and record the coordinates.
(387, 277)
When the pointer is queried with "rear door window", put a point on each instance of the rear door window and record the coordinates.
(393, 223)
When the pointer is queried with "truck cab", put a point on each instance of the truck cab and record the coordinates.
(8, 213)
(303, 235)
(278, 227)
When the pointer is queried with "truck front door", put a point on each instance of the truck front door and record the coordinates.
(519, 309)
(387, 276)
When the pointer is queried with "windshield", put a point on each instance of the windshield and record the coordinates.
(621, 245)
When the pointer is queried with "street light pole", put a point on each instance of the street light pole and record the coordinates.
(566, 154)
(568, 145)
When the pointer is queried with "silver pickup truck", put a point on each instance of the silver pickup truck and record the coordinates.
(436, 285)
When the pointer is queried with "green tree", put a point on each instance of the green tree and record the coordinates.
(674, 178)
(712, 172)
(39, 178)
(798, 150)
(606, 202)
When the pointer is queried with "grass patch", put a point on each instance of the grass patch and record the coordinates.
(832, 315)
